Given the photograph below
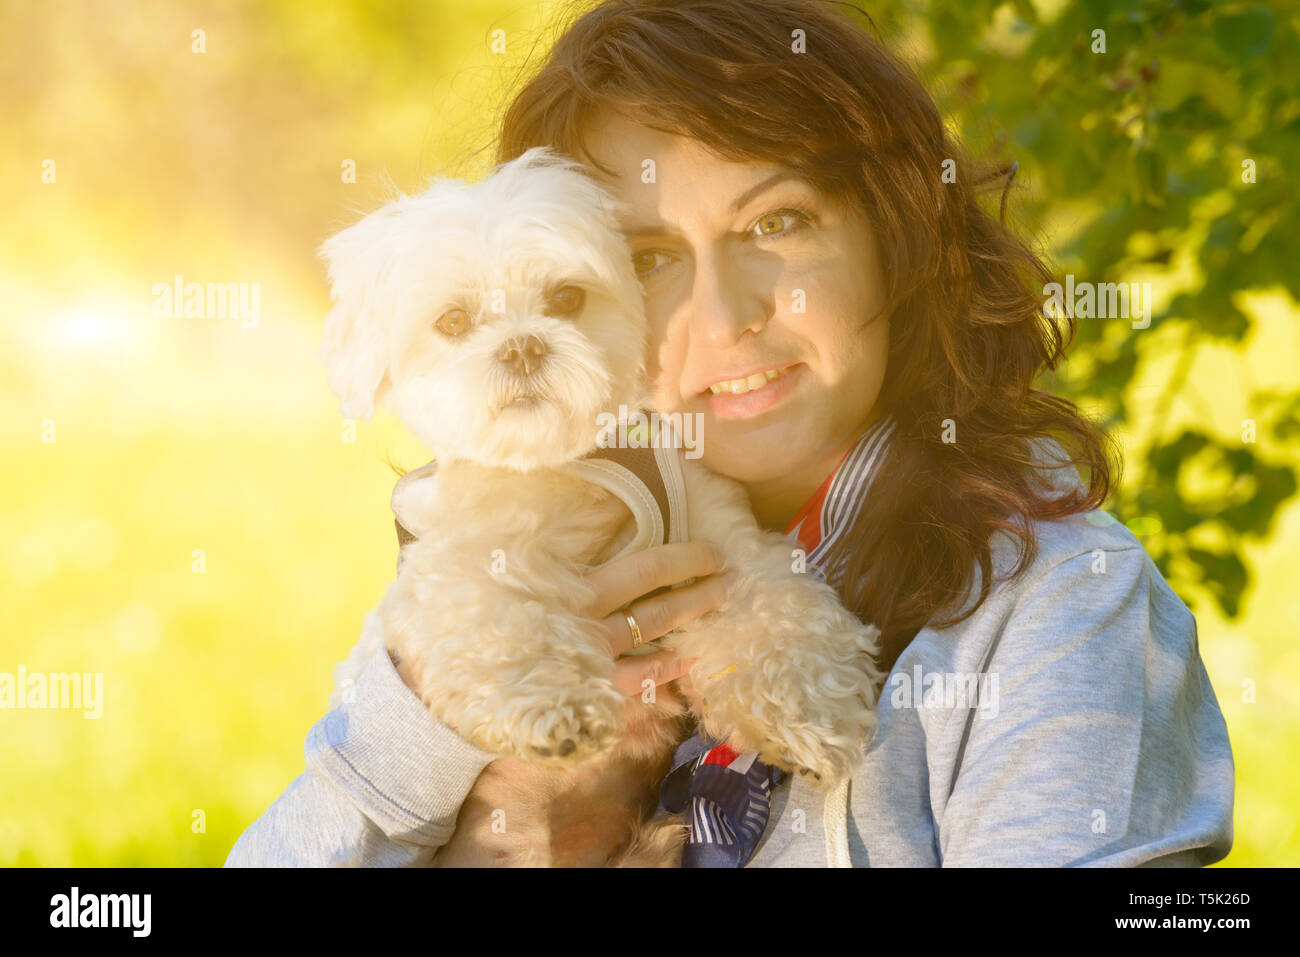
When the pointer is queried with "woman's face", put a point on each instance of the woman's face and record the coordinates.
(747, 275)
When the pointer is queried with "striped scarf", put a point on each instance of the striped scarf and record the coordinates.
(725, 796)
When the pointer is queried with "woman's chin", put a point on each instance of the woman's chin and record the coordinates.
(754, 456)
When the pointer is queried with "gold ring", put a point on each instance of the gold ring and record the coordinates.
(636, 629)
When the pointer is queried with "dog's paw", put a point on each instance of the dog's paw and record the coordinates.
(829, 760)
(822, 752)
(565, 728)
(821, 735)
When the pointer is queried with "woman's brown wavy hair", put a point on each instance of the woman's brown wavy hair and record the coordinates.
(968, 334)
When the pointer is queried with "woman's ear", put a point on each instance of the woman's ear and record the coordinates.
(361, 261)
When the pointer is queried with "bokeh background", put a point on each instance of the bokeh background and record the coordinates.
(184, 511)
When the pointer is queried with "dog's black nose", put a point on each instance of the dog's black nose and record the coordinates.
(522, 354)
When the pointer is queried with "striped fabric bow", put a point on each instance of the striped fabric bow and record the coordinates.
(724, 799)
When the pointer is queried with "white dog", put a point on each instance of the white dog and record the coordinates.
(499, 321)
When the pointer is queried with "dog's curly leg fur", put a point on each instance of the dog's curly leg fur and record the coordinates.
(784, 668)
(514, 676)
(656, 843)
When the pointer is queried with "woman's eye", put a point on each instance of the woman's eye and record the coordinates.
(771, 224)
(644, 263)
(566, 301)
(452, 322)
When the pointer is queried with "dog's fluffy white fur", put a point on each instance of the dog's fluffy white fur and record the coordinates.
(504, 657)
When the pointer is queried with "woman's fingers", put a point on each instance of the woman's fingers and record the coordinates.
(661, 614)
(631, 674)
(632, 576)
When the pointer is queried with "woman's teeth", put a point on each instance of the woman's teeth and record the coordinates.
(741, 386)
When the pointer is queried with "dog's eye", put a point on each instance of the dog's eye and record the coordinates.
(453, 322)
(566, 301)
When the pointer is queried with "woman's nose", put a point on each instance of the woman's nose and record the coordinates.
(723, 303)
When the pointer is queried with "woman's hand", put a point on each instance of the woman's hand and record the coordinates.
(626, 579)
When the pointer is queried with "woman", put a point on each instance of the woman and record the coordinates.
(793, 209)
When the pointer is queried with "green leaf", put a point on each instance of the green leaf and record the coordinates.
(1249, 33)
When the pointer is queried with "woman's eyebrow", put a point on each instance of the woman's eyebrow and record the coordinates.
(744, 198)
(739, 203)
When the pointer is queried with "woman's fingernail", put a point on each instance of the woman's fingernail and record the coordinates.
(718, 552)
(730, 578)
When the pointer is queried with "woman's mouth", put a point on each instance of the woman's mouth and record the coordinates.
(753, 395)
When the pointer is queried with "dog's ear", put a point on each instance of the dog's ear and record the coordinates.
(361, 260)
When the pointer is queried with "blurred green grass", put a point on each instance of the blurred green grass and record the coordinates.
(210, 680)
